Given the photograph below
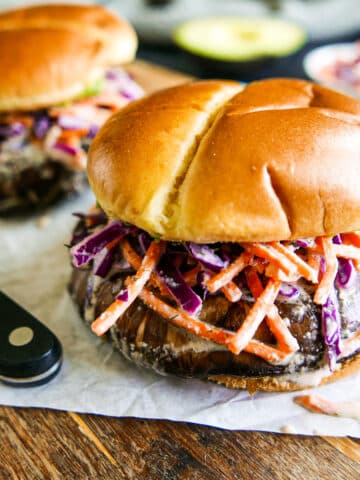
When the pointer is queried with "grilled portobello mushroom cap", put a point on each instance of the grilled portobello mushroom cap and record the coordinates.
(26, 183)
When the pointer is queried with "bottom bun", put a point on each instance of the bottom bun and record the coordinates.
(289, 383)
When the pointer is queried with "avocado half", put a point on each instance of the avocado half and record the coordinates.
(237, 43)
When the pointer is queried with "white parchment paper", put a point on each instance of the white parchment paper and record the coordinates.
(34, 271)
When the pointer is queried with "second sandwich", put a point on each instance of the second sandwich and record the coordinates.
(60, 84)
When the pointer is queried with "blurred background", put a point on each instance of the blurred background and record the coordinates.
(324, 21)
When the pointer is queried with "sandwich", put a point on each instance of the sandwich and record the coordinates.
(60, 82)
(225, 244)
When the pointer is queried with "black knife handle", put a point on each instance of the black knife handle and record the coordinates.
(30, 354)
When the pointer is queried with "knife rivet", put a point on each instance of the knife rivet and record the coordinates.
(21, 336)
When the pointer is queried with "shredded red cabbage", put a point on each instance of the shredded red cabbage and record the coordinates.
(206, 256)
(123, 295)
(12, 129)
(128, 95)
(331, 324)
(346, 275)
(89, 291)
(93, 129)
(337, 239)
(304, 242)
(289, 291)
(65, 148)
(144, 241)
(112, 75)
(90, 246)
(70, 122)
(178, 288)
(41, 126)
(103, 261)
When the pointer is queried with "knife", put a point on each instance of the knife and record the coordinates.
(30, 354)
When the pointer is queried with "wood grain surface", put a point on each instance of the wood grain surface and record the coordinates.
(39, 444)
(153, 77)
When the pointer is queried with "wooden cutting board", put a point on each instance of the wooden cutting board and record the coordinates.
(40, 444)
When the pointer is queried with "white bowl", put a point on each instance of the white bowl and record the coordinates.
(319, 58)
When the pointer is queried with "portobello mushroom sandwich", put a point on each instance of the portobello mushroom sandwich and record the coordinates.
(226, 246)
(60, 82)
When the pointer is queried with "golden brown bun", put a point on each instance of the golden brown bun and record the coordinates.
(202, 162)
(284, 383)
(137, 157)
(51, 53)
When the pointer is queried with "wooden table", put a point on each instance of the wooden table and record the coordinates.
(39, 444)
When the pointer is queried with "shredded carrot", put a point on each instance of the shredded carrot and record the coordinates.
(135, 284)
(261, 267)
(350, 345)
(314, 260)
(182, 319)
(267, 352)
(91, 220)
(190, 277)
(232, 292)
(356, 264)
(352, 238)
(130, 255)
(326, 283)
(210, 332)
(107, 99)
(68, 135)
(302, 267)
(135, 261)
(254, 283)
(255, 316)
(227, 274)
(113, 243)
(286, 341)
(347, 251)
(274, 272)
(316, 404)
(89, 113)
(269, 253)
(178, 260)
(27, 120)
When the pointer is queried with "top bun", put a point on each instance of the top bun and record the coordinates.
(202, 162)
(50, 53)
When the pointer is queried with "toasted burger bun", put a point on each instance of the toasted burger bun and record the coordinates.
(207, 162)
(51, 53)
(288, 383)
